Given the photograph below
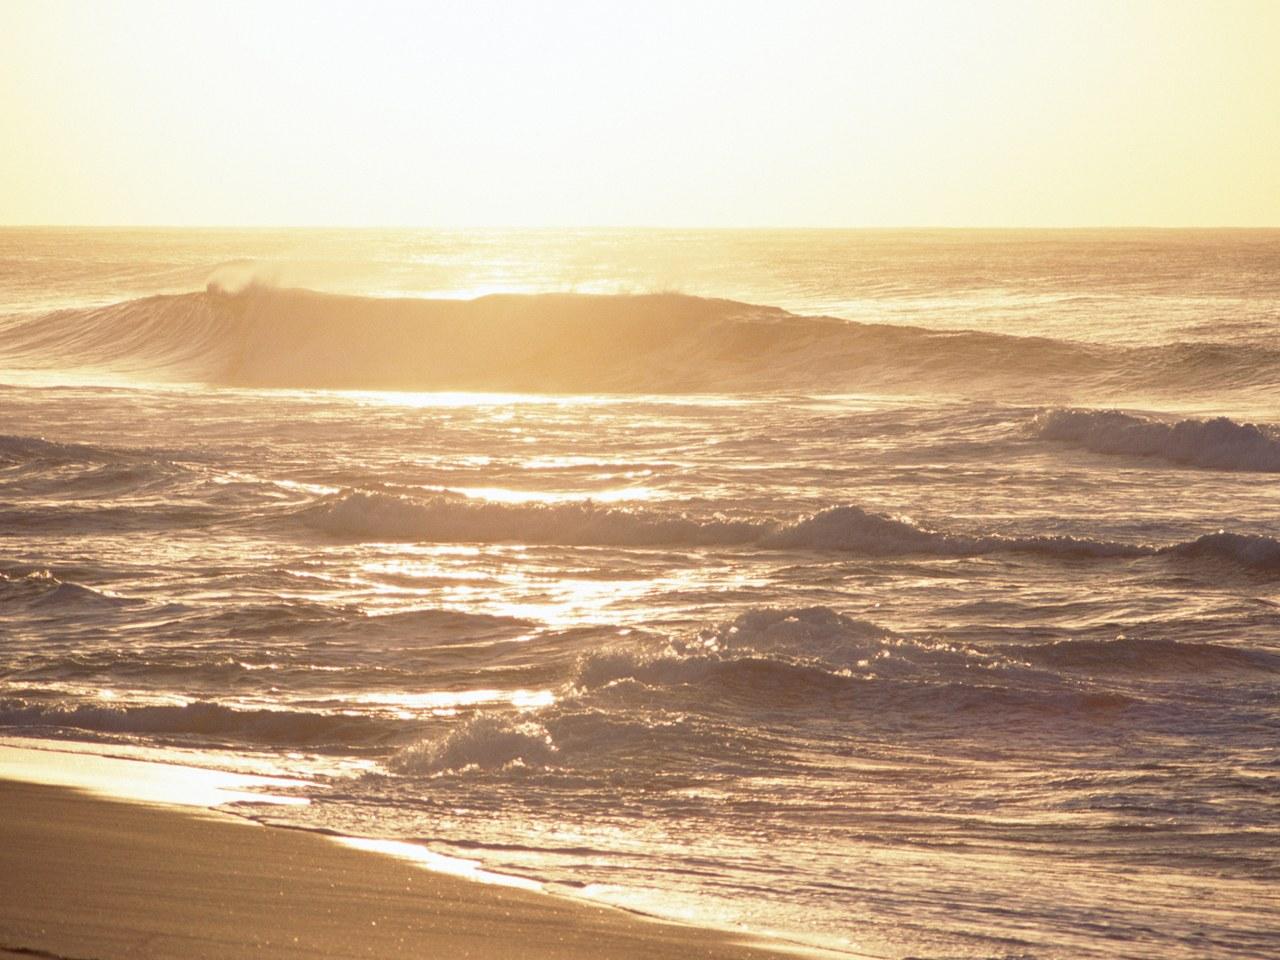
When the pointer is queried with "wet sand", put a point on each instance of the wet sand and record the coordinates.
(91, 878)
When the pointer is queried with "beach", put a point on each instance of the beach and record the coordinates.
(87, 876)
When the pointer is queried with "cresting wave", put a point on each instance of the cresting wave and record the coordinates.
(364, 515)
(1219, 443)
(658, 343)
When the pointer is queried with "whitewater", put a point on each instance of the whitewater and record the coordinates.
(893, 593)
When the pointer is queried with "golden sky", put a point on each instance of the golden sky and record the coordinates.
(788, 113)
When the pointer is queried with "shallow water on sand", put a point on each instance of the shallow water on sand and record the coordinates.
(894, 638)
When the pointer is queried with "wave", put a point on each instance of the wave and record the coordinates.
(42, 593)
(835, 640)
(403, 630)
(21, 449)
(802, 632)
(172, 336)
(364, 515)
(1247, 550)
(726, 687)
(486, 742)
(855, 530)
(794, 640)
(1145, 655)
(923, 689)
(38, 469)
(1219, 443)
(202, 719)
(728, 684)
(657, 343)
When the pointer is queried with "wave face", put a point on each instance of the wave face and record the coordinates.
(171, 337)
(1219, 443)
(654, 343)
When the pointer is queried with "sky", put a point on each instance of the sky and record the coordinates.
(692, 113)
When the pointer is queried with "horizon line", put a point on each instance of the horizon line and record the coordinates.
(650, 227)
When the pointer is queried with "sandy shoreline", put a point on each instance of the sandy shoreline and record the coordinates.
(94, 878)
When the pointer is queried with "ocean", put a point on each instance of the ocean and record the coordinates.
(896, 593)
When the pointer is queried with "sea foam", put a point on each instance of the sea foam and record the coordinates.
(1219, 443)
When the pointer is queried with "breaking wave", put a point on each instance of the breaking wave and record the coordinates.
(486, 742)
(718, 690)
(1219, 443)
(365, 515)
(659, 343)
(730, 682)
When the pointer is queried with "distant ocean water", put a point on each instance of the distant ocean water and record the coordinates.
(907, 593)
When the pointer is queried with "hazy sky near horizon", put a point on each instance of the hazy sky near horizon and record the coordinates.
(1145, 112)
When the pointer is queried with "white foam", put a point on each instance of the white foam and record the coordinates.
(1219, 443)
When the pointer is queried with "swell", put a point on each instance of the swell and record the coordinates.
(363, 515)
(1218, 443)
(265, 337)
